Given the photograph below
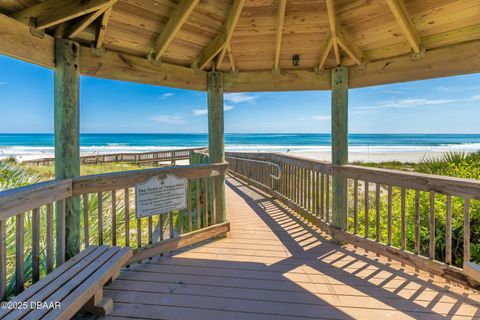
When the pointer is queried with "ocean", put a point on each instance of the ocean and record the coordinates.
(38, 145)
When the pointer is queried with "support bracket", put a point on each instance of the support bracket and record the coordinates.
(97, 51)
(419, 55)
(32, 25)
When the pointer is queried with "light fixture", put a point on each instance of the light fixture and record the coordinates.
(296, 60)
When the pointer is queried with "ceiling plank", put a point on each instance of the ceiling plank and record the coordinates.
(406, 24)
(181, 13)
(53, 12)
(325, 51)
(102, 28)
(282, 6)
(218, 43)
(332, 20)
(346, 41)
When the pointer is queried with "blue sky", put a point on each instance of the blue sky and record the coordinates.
(448, 105)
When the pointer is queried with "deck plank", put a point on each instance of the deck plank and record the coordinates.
(273, 265)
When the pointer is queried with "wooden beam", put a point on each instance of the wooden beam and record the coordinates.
(282, 6)
(179, 242)
(102, 28)
(181, 13)
(52, 12)
(332, 20)
(285, 80)
(218, 43)
(346, 41)
(67, 135)
(77, 26)
(325, 51)
(16, 41)
(339, 143)
(231, 58)
(216, 140)
(406, 24)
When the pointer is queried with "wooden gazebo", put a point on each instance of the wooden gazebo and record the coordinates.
(237, 46)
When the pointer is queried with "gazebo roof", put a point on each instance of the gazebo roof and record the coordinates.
(254, 42)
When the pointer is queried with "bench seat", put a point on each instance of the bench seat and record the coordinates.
(75, 286)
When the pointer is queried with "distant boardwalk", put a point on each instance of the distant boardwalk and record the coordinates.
(273, 266)
(144, 157)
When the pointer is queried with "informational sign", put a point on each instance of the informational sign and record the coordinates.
(160, 196)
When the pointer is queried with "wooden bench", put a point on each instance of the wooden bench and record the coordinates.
(75, 286)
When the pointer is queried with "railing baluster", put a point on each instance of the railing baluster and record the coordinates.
(367, 208)
(322, 196)
(377, 212)
(19, 252)
(35, 245)
(114, 217)
(197, 189)
(403, 219)
(448, 231)
(205, 200)
(466, 230)
(327, 203)
(355, 206)
(3, 259)
(85, 220)
(60, 232)
(162, 226)
(100, 218)
(417, 221)
(127, 216)
(170, 221)
(314, 193)
(309, 190)
(431, 253)
(150, 230)
(189, 204)
(214, 203)
(389, 214)
(49, 238)
(139, 232)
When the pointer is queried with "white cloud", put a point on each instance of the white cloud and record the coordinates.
(168, 119)
(202, 112)
(239, 97)
(166, 95)
(411, 103)
(321, 118)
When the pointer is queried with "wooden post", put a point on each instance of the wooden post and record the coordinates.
(67, 136)
(339, 143)
(216, 148)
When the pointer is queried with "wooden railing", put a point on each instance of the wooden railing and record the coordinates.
(420, 219)
(32, 237)
(144, 157)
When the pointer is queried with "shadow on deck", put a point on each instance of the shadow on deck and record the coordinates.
(274, 266)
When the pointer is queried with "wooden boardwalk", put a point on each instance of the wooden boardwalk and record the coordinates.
(273, 266)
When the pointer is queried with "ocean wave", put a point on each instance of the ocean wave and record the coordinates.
(31, 152)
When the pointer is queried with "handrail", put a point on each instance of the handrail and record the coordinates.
(307, 187)
(279, 170)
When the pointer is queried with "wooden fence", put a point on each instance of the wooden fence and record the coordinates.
(32, 220)
(390, 212)
(145, 157)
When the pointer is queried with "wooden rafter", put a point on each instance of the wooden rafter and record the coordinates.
(75, 27)
(406, 24)
(231, 58)
(53, 12)
(325, 51)
(102, 28)
(349, 46)
(332, 20)
(218, 44)
(181, 13)
(282, 6)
